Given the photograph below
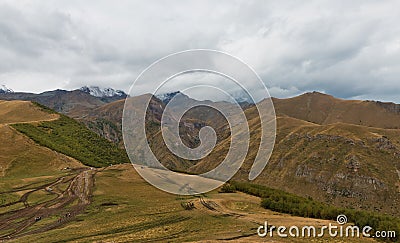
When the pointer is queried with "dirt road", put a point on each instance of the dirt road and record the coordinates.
(53, 212)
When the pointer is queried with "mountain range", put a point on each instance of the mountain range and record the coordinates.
(60, 182)
(343, 152)
(73, 103)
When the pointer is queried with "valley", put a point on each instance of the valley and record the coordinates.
(56, 184)
(327, 155)
(199, 121)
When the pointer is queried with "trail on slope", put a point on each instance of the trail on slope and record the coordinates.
(52, 213)
(33, 218)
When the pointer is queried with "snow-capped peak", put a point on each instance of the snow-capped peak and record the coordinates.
(102, 92)
(4, 89)
(167, 97)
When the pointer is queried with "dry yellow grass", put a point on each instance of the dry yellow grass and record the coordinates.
(125, 208)
(21, 157)
(325, 109)
(21, 112)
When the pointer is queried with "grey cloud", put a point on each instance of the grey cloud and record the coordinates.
(348, 49)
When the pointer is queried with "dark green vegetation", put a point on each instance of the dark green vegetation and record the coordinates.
(284, 202)
(72, 138)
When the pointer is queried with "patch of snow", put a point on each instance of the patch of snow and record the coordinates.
(102, 92)
(167, 97)
(4, 89)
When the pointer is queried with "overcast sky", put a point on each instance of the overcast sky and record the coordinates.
(350, 49)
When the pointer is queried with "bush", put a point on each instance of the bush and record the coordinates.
(227, 188)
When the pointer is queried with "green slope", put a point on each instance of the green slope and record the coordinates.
(72, 138)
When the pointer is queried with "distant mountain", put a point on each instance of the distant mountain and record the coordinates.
(4, 90)
(243, 100)
(75, 103)
(102, 92)
(167, 97)
(106, 121)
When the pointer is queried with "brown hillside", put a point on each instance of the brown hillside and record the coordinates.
(343, 164)
(22, 111)
(333, 150)
(325, 109)
(19, 155)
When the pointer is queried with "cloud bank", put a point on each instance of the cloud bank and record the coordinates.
(350, 49)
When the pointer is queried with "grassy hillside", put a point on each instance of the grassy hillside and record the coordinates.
(22, 111)
(340, 164)
(121, 206)
(20, 157)
(336, 151)
(72, 138)
(325, 109)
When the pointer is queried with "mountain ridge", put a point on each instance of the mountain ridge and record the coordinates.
(325, 109)
(96, 91)
(322, 151)
(72, 103)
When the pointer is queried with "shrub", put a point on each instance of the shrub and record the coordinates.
(227, 188)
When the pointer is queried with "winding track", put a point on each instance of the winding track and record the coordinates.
(17, 223)
(54, 212)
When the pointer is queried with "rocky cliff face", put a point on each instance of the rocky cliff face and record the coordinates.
(391, 107)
